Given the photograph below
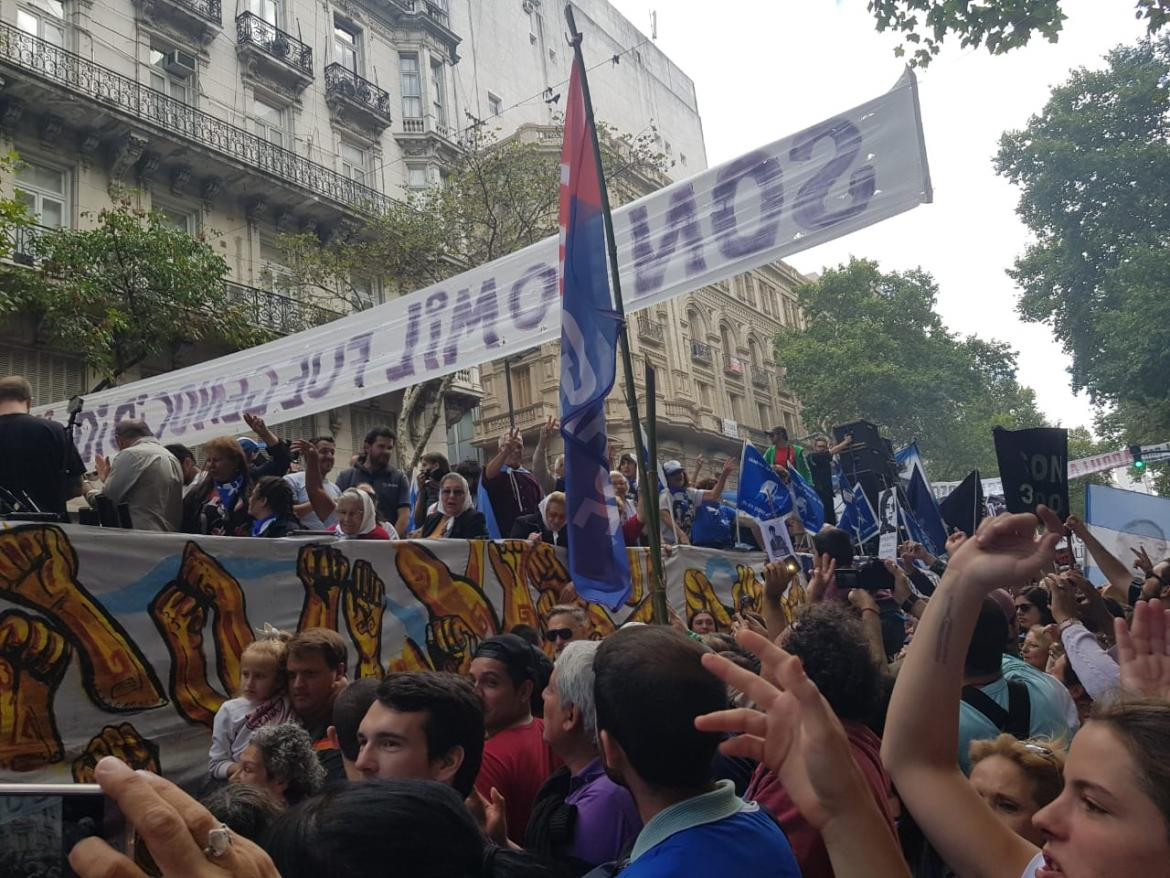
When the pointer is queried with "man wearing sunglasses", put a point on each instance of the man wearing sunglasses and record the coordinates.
(564, 624)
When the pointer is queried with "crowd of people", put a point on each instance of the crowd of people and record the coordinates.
(988, 712)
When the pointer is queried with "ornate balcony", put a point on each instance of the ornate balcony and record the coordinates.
(164, 119)
(528, 418)
(269, 52)
(356, 101)
(21, 244)
(651, 330)
(702, 353)
(426, 136)
(467, 383)
(761, 380)
(198, 20)
(429, 14)
(280, 313)
(733, 366)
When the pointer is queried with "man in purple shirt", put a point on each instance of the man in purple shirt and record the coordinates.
(580, 818)
(512, 490)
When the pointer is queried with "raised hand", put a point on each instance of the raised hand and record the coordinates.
(1005, 551)
(324, 572)
(549, 428)
(174, 828)
(451, 643)
(180, 618)
(1144, 651)
(794, 732)
(365, 603)
(260, 428)
(122, 741)
(777, 577)
(956, 539)
(38, 570)
(33, 661)
(824, 574)
(1075, 524)
(1142, 562)
(101, 464)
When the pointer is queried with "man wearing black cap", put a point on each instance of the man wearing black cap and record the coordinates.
(516, 758)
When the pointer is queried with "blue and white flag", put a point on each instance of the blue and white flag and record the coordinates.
(808, 502)
(483, 503)
(761, 494)
(598, 564)
(1124, 522)
(857, 517)
(923, 507)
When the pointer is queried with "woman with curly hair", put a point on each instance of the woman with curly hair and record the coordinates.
(281, 760)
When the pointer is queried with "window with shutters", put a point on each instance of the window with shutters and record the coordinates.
(362, 419)
(53, 376)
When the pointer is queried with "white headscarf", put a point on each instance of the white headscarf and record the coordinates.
(369, 515)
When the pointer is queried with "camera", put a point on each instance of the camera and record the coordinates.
(868, 574)
(42, 822)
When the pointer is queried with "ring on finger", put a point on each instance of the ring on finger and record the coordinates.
(219, 841)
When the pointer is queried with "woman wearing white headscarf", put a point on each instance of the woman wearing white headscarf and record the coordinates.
(357, 518)
(547, 525)
(454, 517)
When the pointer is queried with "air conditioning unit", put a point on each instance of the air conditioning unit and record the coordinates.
(180, 63)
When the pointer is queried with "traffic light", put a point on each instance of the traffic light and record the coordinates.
(1135, 452)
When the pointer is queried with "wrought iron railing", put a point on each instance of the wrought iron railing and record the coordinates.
(279, 312)
(761, 379)
(251, 28)
(21, 243)
(702, 353)
(209, 10)
(733, 366)
(340, 80)
(651, 329)
(178, 119)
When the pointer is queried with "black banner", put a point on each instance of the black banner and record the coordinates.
(1033, 465)
(963, 507)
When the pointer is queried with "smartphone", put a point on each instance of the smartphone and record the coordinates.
(40, 824)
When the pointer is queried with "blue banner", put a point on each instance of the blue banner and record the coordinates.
(761, 494)
(923, 508)
(808, 502)
(857, 517)
(1125, 522)
(589, 328)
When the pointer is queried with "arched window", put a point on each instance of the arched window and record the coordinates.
(727, 337)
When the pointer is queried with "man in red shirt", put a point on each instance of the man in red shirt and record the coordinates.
(516, 758)
(831, 645)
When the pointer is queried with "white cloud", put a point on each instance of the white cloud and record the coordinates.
(763, 69)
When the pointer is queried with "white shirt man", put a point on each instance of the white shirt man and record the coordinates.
(326, 452)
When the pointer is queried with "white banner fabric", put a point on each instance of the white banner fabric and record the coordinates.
(847, 172)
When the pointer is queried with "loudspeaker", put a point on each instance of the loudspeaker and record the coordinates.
(869, 460)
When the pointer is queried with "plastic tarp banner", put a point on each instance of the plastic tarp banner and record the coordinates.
(126, 643)
(853, 169)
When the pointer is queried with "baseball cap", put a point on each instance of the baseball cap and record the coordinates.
(251, 446)
(671, 467)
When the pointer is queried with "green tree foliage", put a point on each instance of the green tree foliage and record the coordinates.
(497, 197)
(1092, 168)
(999, 25)
(874, 348)
(131, 288)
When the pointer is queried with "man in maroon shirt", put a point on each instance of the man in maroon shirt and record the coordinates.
(829, 641)
(512, 489)
(516, 758)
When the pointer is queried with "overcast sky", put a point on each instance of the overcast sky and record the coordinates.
(767, 68)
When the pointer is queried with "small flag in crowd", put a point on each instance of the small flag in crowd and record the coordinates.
(598, 564)
(808, 503)
(483, 503)
(923, 519)
(964, 507)
(1033, 466)
(857, 518)
(761, 494)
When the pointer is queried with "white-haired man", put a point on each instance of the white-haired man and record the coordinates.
(580, 818)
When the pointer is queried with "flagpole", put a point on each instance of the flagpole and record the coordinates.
(658, 587)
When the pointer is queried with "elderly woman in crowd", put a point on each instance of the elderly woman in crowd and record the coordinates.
(547, 525)
(219, 503)
(281, 760)
(455, 517)
(357, 517)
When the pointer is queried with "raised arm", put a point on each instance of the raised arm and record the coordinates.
(919, 745)
(777, 577)
(716, 494)
(322, 504)
(493, 466)
(541, 468)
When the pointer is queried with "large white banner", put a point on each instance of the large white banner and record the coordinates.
(847, 172)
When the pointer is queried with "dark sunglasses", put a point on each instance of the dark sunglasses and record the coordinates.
(555, 634)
